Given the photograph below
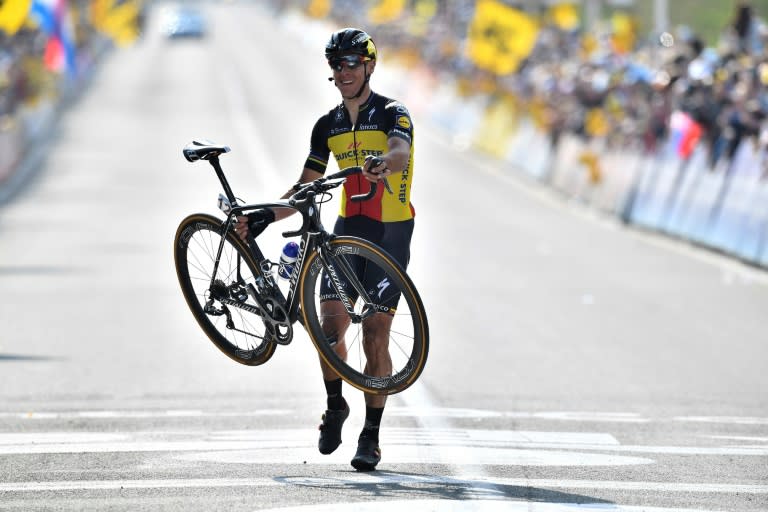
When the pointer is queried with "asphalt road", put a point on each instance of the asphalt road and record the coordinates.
(573, 360)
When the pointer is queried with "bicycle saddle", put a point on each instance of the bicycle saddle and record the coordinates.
(203, 150)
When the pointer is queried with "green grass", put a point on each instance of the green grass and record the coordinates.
(707, 18)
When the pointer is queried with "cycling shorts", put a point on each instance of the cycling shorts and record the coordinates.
(393, 237)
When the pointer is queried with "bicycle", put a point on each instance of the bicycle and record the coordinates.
(229, 285)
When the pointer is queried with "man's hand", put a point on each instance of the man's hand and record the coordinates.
(375, 169)
(255, 222)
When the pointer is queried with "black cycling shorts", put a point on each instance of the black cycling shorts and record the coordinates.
(393, 237)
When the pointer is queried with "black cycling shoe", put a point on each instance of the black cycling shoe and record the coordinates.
(330, 430)
(367, 456)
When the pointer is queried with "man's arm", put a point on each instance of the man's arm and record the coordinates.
(395, 160)
(307, 175)
(241, 228)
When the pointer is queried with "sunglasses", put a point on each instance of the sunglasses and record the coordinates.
(352, 62)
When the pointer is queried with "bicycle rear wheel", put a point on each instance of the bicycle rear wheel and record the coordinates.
(408, 341)
(222, 306)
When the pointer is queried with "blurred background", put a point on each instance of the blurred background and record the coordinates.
(650, 110)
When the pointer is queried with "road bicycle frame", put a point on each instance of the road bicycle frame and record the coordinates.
(314, 237)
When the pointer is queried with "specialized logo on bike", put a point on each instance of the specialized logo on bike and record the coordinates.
(298, 264)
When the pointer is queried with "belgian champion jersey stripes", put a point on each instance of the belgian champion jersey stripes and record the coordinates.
(378, 119)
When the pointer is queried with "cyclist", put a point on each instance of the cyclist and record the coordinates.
(363, 126)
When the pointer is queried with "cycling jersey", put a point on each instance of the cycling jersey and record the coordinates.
(378, 119)
(393, 237)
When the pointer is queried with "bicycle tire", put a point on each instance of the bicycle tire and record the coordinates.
(195, 247)
(409, 335)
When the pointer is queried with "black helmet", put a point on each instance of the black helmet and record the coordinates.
(350, 40)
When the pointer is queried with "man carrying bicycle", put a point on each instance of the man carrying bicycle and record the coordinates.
(376, 133)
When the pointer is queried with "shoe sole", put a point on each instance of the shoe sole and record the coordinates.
(363, 465)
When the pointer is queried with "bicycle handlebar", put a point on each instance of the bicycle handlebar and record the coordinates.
(332, 181)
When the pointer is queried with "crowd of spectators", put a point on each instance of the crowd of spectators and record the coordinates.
(30, 71)
(578, 81)
(22, 74)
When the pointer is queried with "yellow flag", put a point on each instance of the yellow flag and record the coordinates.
(13, 13)
(319, 8)
(120, 22)
(564, 15)
(386, 11)
(500, 37)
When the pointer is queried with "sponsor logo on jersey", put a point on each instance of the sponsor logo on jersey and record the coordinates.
(404, 122)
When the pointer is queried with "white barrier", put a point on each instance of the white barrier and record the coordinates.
(725, 208)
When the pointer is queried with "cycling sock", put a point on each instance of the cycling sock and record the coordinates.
(335, 401)
(372, 422)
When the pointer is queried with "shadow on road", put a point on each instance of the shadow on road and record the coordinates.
(388, 484)
(23, 357)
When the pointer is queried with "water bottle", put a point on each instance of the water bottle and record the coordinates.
(287, 259)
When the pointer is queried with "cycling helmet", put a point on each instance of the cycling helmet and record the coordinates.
(350, 40)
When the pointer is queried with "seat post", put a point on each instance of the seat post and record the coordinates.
(214, 160)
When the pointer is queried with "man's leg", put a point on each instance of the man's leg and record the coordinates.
(335, 322)
(379, 363)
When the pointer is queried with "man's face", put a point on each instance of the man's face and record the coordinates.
(349, 73)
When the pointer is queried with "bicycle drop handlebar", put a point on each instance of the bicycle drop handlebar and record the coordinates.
(329, 182)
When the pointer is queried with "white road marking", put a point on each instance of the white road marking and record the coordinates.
(608, 417)
(736, 420)
(749, 439)
(438, 445)
(454, 447)
(480, 483)
(106, 414)
(415, 411)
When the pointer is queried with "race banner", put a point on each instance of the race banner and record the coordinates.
(500, 37)
(118, 21)
(13, 13)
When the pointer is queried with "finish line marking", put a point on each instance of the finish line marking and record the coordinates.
(400, 411)
(480, 483)
(403, 445)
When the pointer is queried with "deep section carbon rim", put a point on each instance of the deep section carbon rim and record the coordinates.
(384, 280)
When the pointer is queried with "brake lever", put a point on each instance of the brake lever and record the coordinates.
(375, 162)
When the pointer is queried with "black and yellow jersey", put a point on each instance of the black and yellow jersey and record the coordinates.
(378, 119)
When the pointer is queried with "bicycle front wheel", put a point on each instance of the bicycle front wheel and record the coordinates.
(221, 304)
(392, 301)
